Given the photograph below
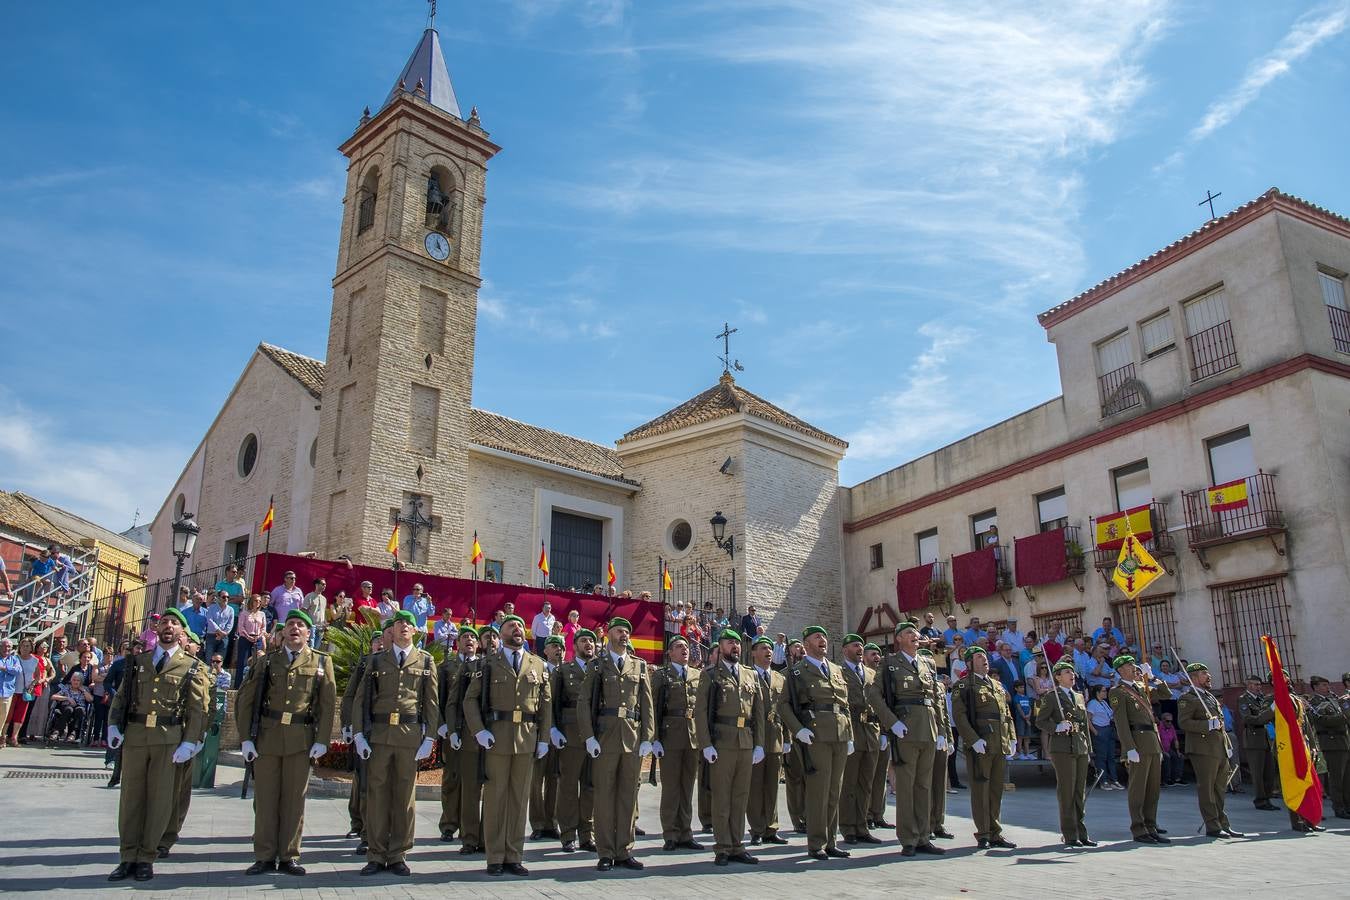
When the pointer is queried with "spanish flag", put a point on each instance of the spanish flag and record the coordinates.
(1111, 529)
(665, 578)
(476, 556)
(543, 559)
(612, 577)
(269, 518)
(1226, 496)
(1299, 784)
(393, 542)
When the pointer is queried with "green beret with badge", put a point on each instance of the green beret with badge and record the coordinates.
(302, 616)
(814, 629)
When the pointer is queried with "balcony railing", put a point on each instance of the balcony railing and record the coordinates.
(1212, 350)
(1073, 552)
(1340, 327)
(1118, 391)
(1259, 516)
(1159, 545)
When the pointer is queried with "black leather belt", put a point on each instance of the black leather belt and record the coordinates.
(680, 717)
(622, 712)
(1143, 727)
(167, 721)
(737, 721)
(516, 716)
(396, 719)
(922, 701)
(286, 718)
(828, 707)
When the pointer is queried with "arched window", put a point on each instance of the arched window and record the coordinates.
(365, 209)
(439, 202)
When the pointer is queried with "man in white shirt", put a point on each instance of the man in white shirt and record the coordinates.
(542, 626)
(316, 604)
(778, 661)
(1011, 636)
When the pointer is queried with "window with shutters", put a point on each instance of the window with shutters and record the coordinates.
(1116, 378)
(1052, 509)
(1155, 335)
(1333, 295)
(1209, 335)
(874, 556)
(927, 545)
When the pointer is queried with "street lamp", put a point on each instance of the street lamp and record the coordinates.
(720, 537)
(185, 532)
(144, 566)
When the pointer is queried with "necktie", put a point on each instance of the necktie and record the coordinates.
(764, 677)
(515, 661)
(399, 655)
(159, 663)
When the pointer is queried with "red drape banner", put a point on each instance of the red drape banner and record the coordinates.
(1040, 559)
(455, 596)
(975, 574)
(911, 587)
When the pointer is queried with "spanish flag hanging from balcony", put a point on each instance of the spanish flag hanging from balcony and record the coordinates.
(1135, 567)
(543, 559)
(612, 577)
(269, 518)
(1111, 530)
(1299, 784)
(476, 556)
(665, 577)
(1226, 496)
(392, 547)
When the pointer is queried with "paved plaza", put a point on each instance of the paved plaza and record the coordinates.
(61, 837)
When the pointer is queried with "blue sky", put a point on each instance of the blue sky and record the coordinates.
(879, 195)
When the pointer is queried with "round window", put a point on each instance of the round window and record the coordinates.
(313, 453)
(248, 455)
(681, 535)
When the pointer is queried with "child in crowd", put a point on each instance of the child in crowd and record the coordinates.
(1022, 712)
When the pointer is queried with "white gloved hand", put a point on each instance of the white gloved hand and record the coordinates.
(1063, 727)
(899, 729)
(347, 733)
(317, 750)
(184, 752)
(424, 750)
(941, 743)
(198, 748)
(593, 747)
(557, 737)
(541, 749)
(362, 745)
(1216, 724)
(443, 730)
(645, 749)
(114, 737)
(250, 751)
(710, 754)
(1010, 757)
(885, 743)
(787, 746)
(455, 740)
(805, 736)
(1147, 670)
(1132, 756)
(485, 739)
(850, 749)
(658, 750)
(757, 756)
(979, 746)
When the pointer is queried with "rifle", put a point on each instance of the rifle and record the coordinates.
(596, 688)
(662, 695)
(255, 721)
(358, 769)
(557, 721)
(1217, 714)
(807, 767)
(128, 684)
(484, 711)
(714, 701)
(364, 766)
(888, 696)
(975, 774)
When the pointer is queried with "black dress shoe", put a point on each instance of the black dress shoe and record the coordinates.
(956, 785)
(931, 849)
(669, 845)
(587, 846)
(1316, 827)
(447, 837)
(1231, 833)
(1160, 831)
(143, 872)
(121, 873)
(400, 869)
(816, 854)
(553, 833)
(982, 844)
(496, 869)
(706, 829)
(1147, 839)
(743, 858)
(720, 859)
(570, 846)
(1159, 839)
(1266, 805)
(361, 848)
(756, 840)
(517, 869)
(687, 845)
(882, 823)
(162, 852)
(775, 839)
(836, 853)
(1003, 843)
(536, 834)
(638, 832)
(850, 839)
(944, 834)
(605, 864)
(630, 863)
(372, 868)
(1215, 832)
(1071, 845)
(1086, 842)
(469, 850)
(907, 850)
(290, 867)
(261, 866)
(866, 838)
(354, 832)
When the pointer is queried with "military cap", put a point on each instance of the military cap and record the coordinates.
(871, 646)
(1316, 680)
(1256, 678)
(403, 615)
(177, 614)
(514, 619)
(852, 638)
(1124, 659)
(192, 636)
(555, 639)
(586, 632)
(302, 616)
(906, 625)
(728, 634)
(814, 629)
(971, 651)
(1062, 666)
(486, 629)
(799, 640)
(674, 639)
(1197, 667)
(278, 626)
(762, 639)
(620, 622)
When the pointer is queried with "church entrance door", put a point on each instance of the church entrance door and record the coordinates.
(574, 553)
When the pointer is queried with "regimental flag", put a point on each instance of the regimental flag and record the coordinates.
(612, 577)
(1111, 530)
(476, 556)
(1230, 495)
(665, 577)
(1299, 784)
(393, 542)
(1135, 567)
(543, 559)
(269, 518)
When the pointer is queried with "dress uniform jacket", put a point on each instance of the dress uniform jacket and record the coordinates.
(861, 764)
(915, 697)
(1138, 730)
(729, 717)
(575, 800)
(1069, 708)
(405, 706)
(1331, 718)
(568, 680)
(674, 697)
(821, 707)
(866, 724)
(299, 702)
(771, 690)
(1256, 712)
(1208, 751)
(980, 711)
(621, 694)
(1068, 753)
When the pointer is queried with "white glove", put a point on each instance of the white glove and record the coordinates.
(541, 750)
(592, 747)
(805, 736)
(885, 743)
(184, 752)
(424, 750)
(1132, 756)
(1216, 724)
(645, 748)
(455, 742)
(658, 750)
(198, 748)
(1063, 727)
(114, 737)
(362, 745)
(850, 749)
(899, 729)
(249, 750)
(979, 746)
(1010, 757)
(557, 737)
(941, 743)
(347, 733)
(710, 754)
(757, 756)
(787, 746)
(485, 739)
(1147, 670)
(443, 730)
(317, 750)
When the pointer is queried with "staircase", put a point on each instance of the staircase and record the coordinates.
(39, 608)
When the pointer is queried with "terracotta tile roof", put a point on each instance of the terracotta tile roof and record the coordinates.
(304, 369)
(79, 526)
(491, 430)
(20, 517)
(723, 399)
(1273, 199)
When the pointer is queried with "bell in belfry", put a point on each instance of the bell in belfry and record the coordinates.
(438, 205)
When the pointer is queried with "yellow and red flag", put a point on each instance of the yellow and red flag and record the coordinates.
(1111, 530)
(612, 577)
(543, 559)
(1226, 496)
(392, 547)
(1299, 784)
(476, 556)
(665, 577)
(1135, 567)
(269, 518)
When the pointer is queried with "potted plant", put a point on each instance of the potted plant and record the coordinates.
(1073, 554)
(939, 590)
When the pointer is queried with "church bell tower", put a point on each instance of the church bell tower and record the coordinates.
(393, 428)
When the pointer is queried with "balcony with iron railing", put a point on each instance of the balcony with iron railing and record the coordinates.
(1159, 543)
(1340, 327)
(1212, 350)
(1239, 510)
(1119, 390)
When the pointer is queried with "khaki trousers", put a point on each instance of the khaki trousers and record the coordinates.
(913, 791)
(356, 805)
(859, 768)
(615, 774)
(730, 777)
(576, 801)
(279, 806)
(763, 809)
(679, 769)
(1071, 774)
(544, 794)
(1338, 780)
(470, 797)
(876, 804)
(1262, 769)
(822, 793)
(1142, 793)
(986, 793)
(1211, 779)
(795, 781)
(450, 782)
(182, 800)
(504, 799)
(937, 793)
(146, 801)
(391, 812)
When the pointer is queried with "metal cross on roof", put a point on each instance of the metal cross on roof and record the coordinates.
(1210, 198)
(431, 14)
(727, 362)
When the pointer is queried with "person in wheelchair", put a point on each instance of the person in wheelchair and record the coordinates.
(69, 710)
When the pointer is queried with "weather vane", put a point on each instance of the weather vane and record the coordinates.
(431, 16)
(725, 359)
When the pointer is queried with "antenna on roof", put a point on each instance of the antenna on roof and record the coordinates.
(725, 359)
(1210, 198)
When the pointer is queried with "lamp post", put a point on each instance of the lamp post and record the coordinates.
(144, 566)
(720, 536)
(185, 532)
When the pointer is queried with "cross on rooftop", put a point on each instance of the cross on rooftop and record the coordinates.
(1209, 198)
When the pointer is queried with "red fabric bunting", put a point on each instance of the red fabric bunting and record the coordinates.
(1040, 559)
(911, 587)
(975, 574)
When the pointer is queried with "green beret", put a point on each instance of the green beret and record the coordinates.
(906, 626)
(1197, 667)
(192, 636)
(302, 616)
(586, 632)
(971, 651)
(814, 629)
(870, 646)
(1345, 676)
(1124, 659)
(514, 619)
(620, 622)
(403, 616)
(1064, 665)
(384, 625)
(177, 614)
(489, 628)
(792, 641)
(674, 639)
(278, 627)
(924, 651)
(852, 638)
(728, 634)
(763, 639)
(555, 639)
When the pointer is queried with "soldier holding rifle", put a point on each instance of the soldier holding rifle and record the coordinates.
(675, 686)
(981, 713)
(1200, 715)
(763, 809)
(1062, 715)
(576, 796)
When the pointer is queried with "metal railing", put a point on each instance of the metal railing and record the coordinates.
(1340, 327)
(1118, 391)
(41, 605)
(1261, 515)
(1212, 350)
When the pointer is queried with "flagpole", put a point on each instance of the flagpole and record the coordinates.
(267, 545)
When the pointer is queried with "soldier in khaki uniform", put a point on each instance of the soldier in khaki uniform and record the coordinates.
(675, 690)
(904, 697)
(398, 698)
(1255, 709)
(729, 722)
(453, 681)
(937, 789)
(468, 752)
(158, 718)
(1200, 716)
(1331, 718)
(292, 696)
(617, 723)
(763, 808)
(815, 710)
(1062, 715)
(182, 772)
(876, 798)
(1137, 731)
(356, 800)
(794, 777)
(544, 781)
(509, 710)
(862, 762)
(576, 799)
(981, 714)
